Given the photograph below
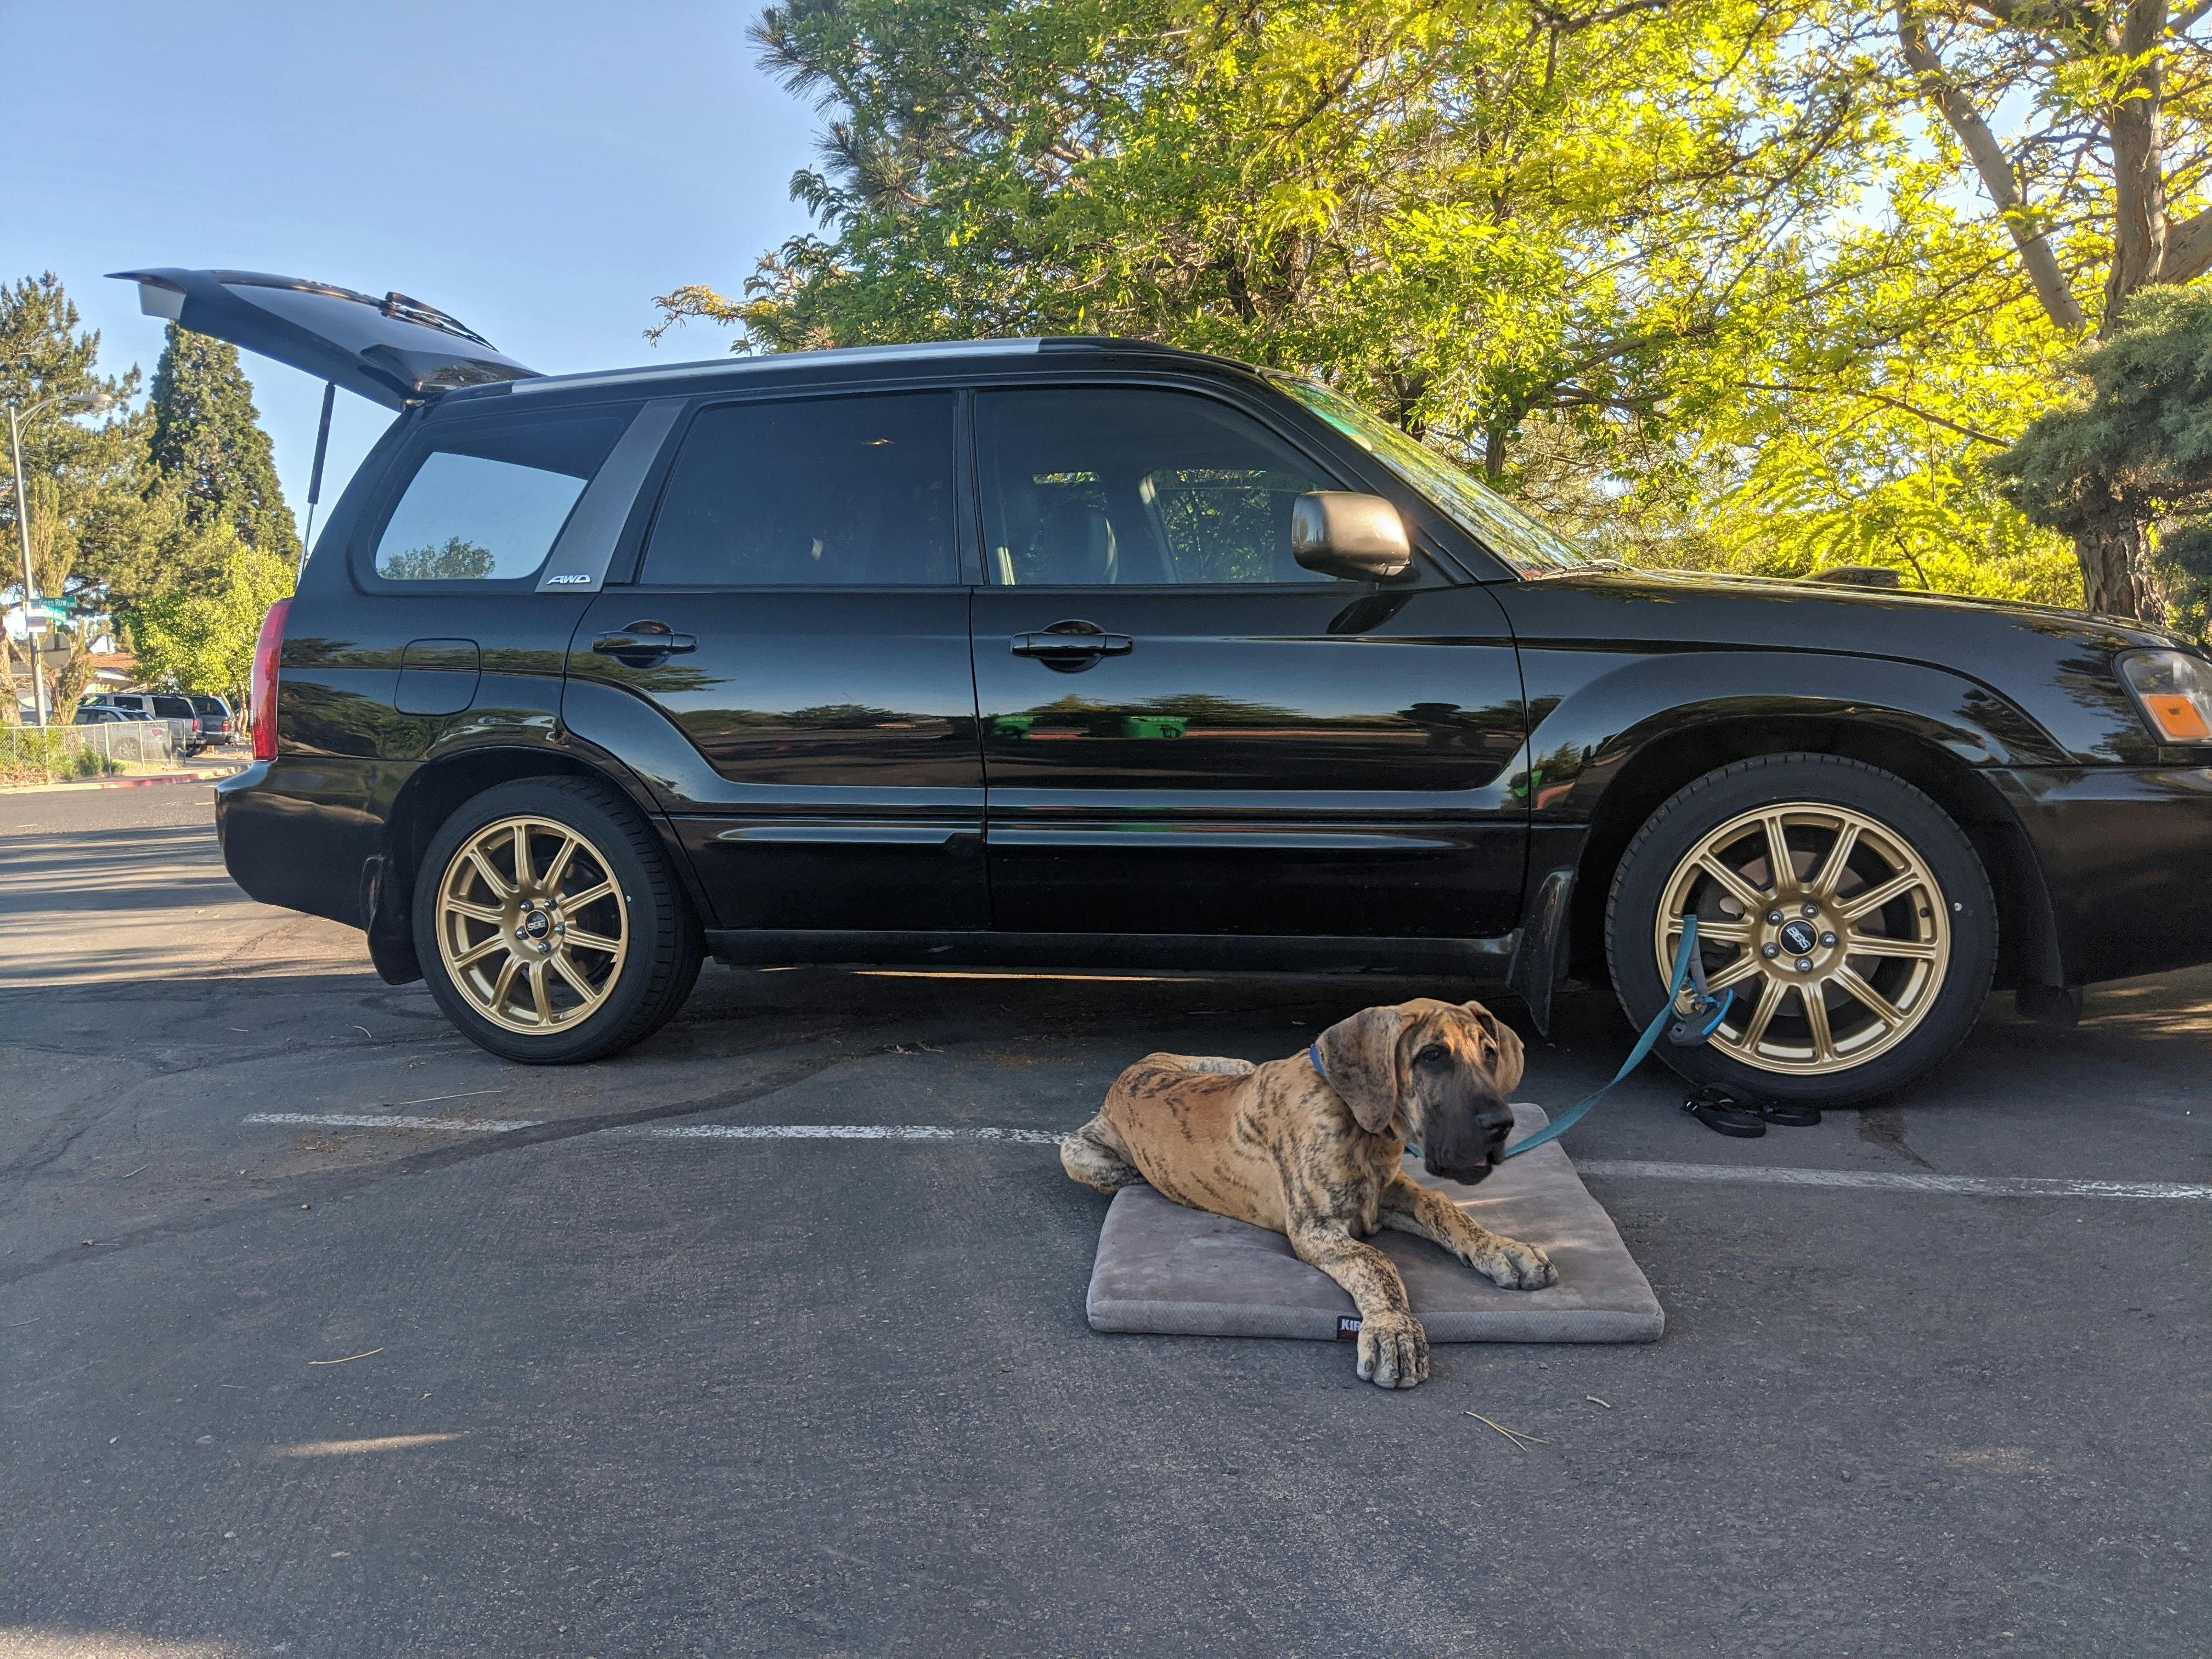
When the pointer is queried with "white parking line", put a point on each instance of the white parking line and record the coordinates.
(474, 1126)
(1610, 1169)
(837, 1131)
(1884, 1181)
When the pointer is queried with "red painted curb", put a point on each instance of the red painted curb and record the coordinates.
(127, 783)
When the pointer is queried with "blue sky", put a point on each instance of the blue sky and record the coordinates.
(539, 171)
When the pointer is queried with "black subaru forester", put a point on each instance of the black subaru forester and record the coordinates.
(1087, 651)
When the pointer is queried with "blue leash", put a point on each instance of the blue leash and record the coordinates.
(1687, 964)
(1689, 969)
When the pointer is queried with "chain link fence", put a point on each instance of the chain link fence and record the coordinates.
(61, 754)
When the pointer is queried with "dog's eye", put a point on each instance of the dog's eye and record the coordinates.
(1434, 1055)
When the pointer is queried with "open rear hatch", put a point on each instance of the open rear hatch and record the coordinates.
(394, 351)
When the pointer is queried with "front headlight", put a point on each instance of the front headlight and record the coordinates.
(2175, 691)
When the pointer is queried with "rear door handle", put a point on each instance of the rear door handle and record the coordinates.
(644, 643)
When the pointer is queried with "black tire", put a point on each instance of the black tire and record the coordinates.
(1702, 809)
(664, 946)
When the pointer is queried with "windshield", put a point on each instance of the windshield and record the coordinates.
(1523, 542)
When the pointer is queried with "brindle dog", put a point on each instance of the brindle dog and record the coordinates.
(1317, 1158)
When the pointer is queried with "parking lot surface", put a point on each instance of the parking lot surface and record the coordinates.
(307, 1349)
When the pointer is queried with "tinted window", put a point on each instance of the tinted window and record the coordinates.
(172, 708)
(1090, 488)
(833, 492)
(486, 502)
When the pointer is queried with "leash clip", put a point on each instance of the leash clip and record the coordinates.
(1699, 1011)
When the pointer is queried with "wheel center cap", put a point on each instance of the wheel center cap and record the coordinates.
(535, 924)
(1798, 938)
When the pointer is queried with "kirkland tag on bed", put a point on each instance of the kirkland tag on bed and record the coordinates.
(1348, 1326)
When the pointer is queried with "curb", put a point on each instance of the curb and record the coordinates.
(125, 783)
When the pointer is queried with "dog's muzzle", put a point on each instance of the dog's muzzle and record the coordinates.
(1478, 1148)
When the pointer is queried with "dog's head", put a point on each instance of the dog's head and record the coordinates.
(1438, 1072)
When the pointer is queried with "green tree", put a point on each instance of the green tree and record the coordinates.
(83, 477)
(207, 444)
(1528, 234)
(200, 639)
(2097, 178)
(2136, 449)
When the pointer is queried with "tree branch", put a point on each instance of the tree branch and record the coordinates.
(1989, 159)
(2189, 248)
(1916, 412)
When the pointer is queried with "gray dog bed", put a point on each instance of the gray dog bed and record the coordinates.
(1178, 1272)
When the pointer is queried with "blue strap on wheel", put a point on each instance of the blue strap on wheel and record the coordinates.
(1708, 1020)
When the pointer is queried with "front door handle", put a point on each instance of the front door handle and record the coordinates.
(1072, 645)
(643, 644)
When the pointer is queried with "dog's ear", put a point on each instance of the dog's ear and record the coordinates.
(1363, 1064)
(1512, 1059)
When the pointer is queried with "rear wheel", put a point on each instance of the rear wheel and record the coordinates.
(1845, 910)
(548, 925)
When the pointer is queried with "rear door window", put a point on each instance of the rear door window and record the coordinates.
(172, 708)
(832, 492)
(487, 500)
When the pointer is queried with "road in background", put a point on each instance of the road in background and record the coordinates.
(338, 1390)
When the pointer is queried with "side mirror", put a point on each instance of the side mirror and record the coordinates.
(1340, 532)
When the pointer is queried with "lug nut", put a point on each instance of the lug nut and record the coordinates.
(1774, 918)
(1804, 964)
(1770, 949)
(1809, 908)
(1828, 940)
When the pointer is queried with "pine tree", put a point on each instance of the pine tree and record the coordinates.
(207, 444)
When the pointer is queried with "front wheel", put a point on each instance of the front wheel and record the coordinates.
(548, 925)
(1845, 910)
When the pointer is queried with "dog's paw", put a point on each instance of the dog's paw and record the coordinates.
(1512, 1266)
(1393, 1351)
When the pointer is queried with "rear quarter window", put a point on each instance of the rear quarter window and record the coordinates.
(485, 502)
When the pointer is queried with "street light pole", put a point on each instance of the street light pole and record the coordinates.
(23, 532)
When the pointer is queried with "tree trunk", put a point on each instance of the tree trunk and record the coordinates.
(2115, 556)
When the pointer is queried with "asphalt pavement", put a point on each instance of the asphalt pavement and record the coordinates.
(305, 1349)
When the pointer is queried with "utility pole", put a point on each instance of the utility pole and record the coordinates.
(23, 532)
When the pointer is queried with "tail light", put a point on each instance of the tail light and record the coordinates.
(266, 650)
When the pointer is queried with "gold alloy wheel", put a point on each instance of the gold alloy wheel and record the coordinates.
(530, 925)
(1829, 927)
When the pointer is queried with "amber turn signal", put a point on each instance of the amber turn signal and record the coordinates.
(2174, 689)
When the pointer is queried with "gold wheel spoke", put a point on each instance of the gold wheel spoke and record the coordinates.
(1876, 1004)
(522, 875)
(581, 986)
(1816, 1016)
(540, 997)
(1781, 870)
(559, 867)
(492, 878)
(474, 912)
(504, 985)
(1770, 998)
(477, 953)
(573, 902)
(1872, 898)
(1874, 944)
(1831, 872)
(578, 939)
(1743, 968)
(1741, 891)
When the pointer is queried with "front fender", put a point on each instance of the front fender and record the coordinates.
(1592, 713)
